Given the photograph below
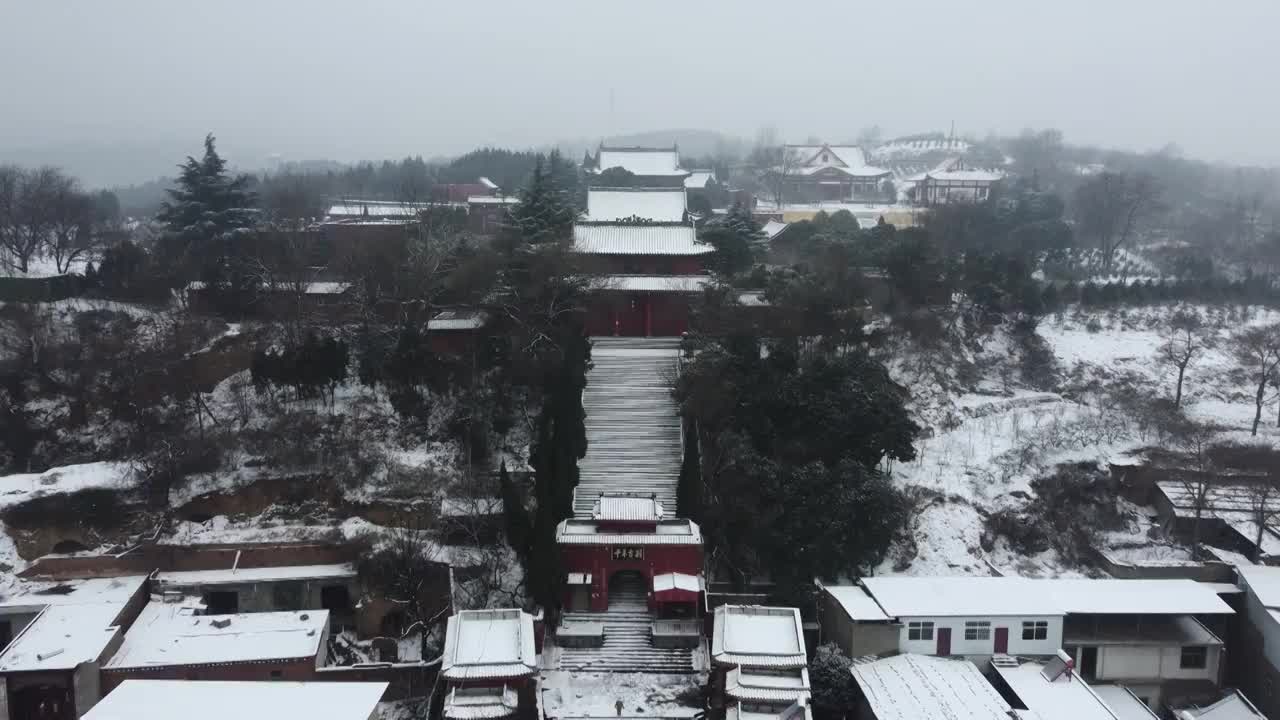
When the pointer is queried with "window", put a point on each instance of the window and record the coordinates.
(920, 631)
(977, 630)
(277, 674)
(286, 596)
(1194, 658)
(1035, 630)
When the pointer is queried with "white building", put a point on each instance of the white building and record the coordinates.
(655, 205)
(641, 161)
(1259, 655)
(219, 700)
(953, 181)
(489, 662)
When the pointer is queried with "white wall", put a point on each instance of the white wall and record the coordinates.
(960, 646)
(1267, 625)
(1151, 663)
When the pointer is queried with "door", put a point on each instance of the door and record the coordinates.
(944, 641)
(1089, 663)
(1002, 640)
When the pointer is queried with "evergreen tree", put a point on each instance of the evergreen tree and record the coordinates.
(208, 220)
(516, 515)
(834, 693)
(689, 498)
(546, 213)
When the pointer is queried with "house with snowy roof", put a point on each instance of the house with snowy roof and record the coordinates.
(953, 180)
(830, 173)
(1048, 689)
(1257, 659)
(1153, 636)
(242, 700)
(910, 687)
(173, 641)
(56, 639)
(489, 663)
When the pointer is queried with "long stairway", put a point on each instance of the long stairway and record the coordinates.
(633, 431)
(627, 645)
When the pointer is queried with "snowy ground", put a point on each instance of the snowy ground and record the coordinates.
(987, 446)
(568, 694)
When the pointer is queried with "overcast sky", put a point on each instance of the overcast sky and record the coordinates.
(346, 79)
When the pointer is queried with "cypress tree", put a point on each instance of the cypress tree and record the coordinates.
(516, 515)
(689, 492)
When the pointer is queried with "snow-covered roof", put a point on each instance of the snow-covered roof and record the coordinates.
(170, 634)
(1233, 503)
(464, 319)
(493, 200)
(76, 623)
(677, 581)
(640, 161)
(773, 228)
(653, 283)
(453, 507)
(913, 687)
(653, 204)
(491, 644)
(966, 176)
(375, 208)
(626, 508)
(1263, 581)
(699, 178)
(1123, 702)
(755, 685)
(193, 578)
(857, 604)
(481, 703)
(242, 700)
(1234, 706)
(1002, 596)
(113, 590)
(1062, 698)
(666, 532)
(621, 239)
(846, 155)
(758, 636)
(311, 288)
(488, 183)
(861, 171)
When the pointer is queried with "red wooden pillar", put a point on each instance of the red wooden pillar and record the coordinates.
(648, 315)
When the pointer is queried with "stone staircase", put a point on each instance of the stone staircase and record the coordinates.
(633, 431)
(627, 644)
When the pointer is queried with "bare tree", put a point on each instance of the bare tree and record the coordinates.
(28, 206)
(1194, 439)
(1257, 351)
(1186, 338)
(73, 231)
(1110, 208)
(783, 164)
(1264, 506)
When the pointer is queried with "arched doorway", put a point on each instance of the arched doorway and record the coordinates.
(628, 591)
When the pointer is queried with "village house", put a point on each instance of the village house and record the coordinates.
(489, 663)
(1144, 634)
(228, 578)
(171, 640)
(230, 591)
(1050, 689)
(830, 173)
(952, 181)
(219, 700)
(55, 641)
(1258, 659)
(1228, 514)
(758, 659)
(912, 687)
(487, 214)
(1234, 706)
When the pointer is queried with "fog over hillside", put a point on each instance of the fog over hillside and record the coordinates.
(397, 79)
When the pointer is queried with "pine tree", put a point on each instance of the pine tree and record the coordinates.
(207, 218)
(519, 529)
(545, 214)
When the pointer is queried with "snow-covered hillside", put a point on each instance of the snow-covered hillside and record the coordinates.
(988, 436)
